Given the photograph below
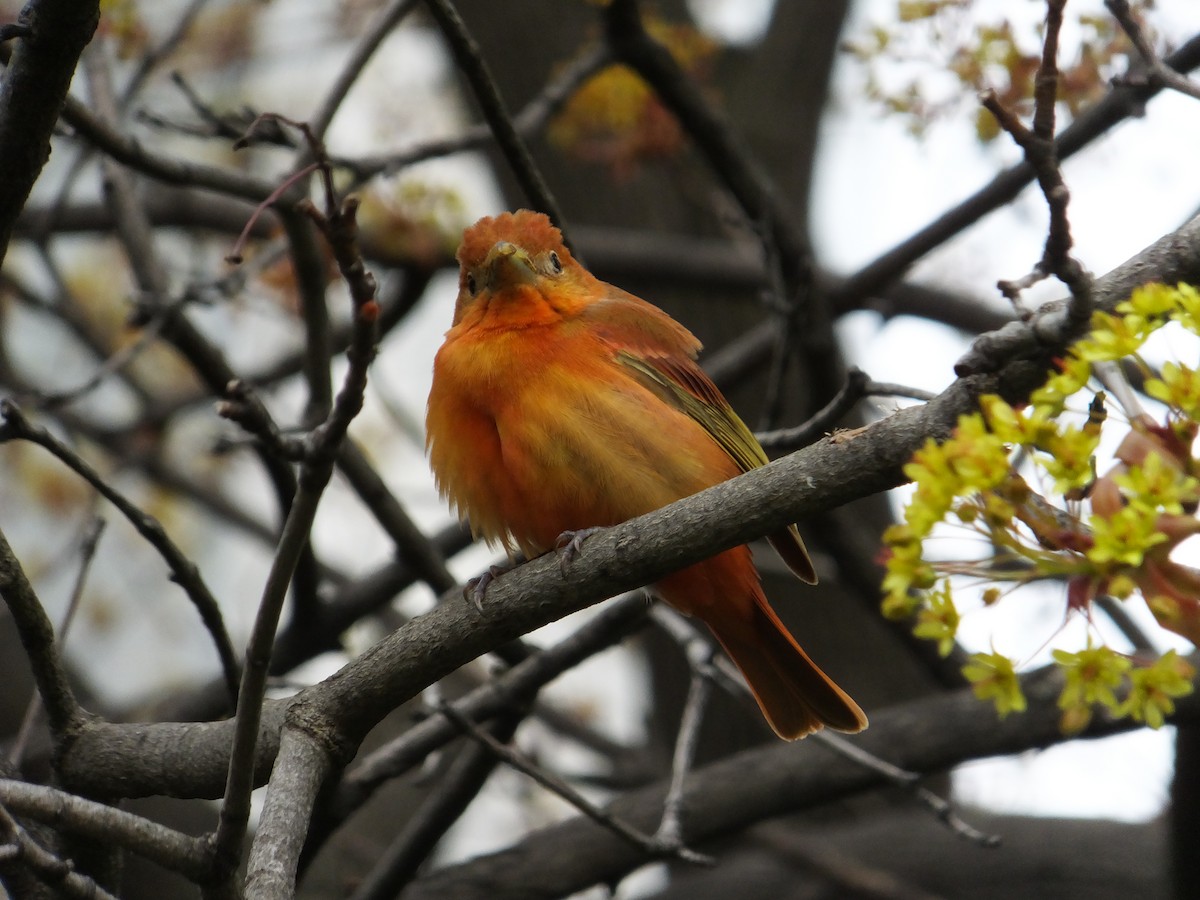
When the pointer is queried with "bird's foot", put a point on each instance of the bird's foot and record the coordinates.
(570, 544)
(476, 588)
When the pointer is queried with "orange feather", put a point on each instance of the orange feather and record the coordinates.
(561, 403)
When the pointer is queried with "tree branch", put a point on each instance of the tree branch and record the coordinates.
(37, 637)
(99, 822)
(474, 68)
(32, 93)
(184, 572)
(1122, 102)
(340, 227)
(731, 794)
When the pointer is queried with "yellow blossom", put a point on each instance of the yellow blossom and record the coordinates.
(938, 619)
(1156, 687)
(1156, 486)
(1123, 537)
(1187, 311)
(1113, 337)
(1092, 676)
(1073, 374)
(1179, 388)
(994, 678)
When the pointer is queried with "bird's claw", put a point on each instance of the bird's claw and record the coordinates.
(570, 544)
(476, 588)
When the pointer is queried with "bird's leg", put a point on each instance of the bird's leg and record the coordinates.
(476, 588)
(569, 544)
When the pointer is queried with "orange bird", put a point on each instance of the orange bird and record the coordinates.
(561, 403)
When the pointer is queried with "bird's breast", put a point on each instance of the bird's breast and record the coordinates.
(535, 432)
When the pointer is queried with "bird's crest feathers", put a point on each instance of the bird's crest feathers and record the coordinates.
(532, 231)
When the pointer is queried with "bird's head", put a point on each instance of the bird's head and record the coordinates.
(515, 256)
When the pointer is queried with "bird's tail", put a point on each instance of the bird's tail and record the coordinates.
(796, 697)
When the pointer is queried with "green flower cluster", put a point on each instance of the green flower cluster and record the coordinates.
(1140, 511)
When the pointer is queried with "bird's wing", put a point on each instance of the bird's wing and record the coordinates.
(661, 354)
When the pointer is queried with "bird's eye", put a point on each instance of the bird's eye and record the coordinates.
(555, 262)
(471, 285)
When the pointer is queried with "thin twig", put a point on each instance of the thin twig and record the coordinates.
(651, 845)
(892, 389)
(495, 111)
(670, 829)
(909, 781)
(684, 632)
(116, 362)
(373, 35)
(776, 297)
(184, 572)
(155, 55)
(234, 256)
(858, 385)
(230, 125)
(1158, 70)
(37, 638)
(457, 786)
(17, 845)
(1042, 155)
(87, 552)
(124, 148)
(722, 671)
(854, 389)
(310, 269)
(528, 121)
(1121, 103)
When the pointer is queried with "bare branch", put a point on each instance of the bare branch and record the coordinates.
(1159, 71)
(724, 797)
(100, 822)
(518, 686)
(184, 572)
(87, 552)
(670, 829)
(651, 845)
(338, 224)
(527, 122)
(32, 93)
(303, 764)
(1122, 102)
(37, 637)
(475, 69)
(374, 34)
(19, 847)
(909, 781)
(457, 787)
(1041, 154)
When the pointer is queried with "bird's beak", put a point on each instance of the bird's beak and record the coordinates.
(507, 265)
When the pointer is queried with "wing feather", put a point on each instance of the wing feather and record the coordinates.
(661, 354)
